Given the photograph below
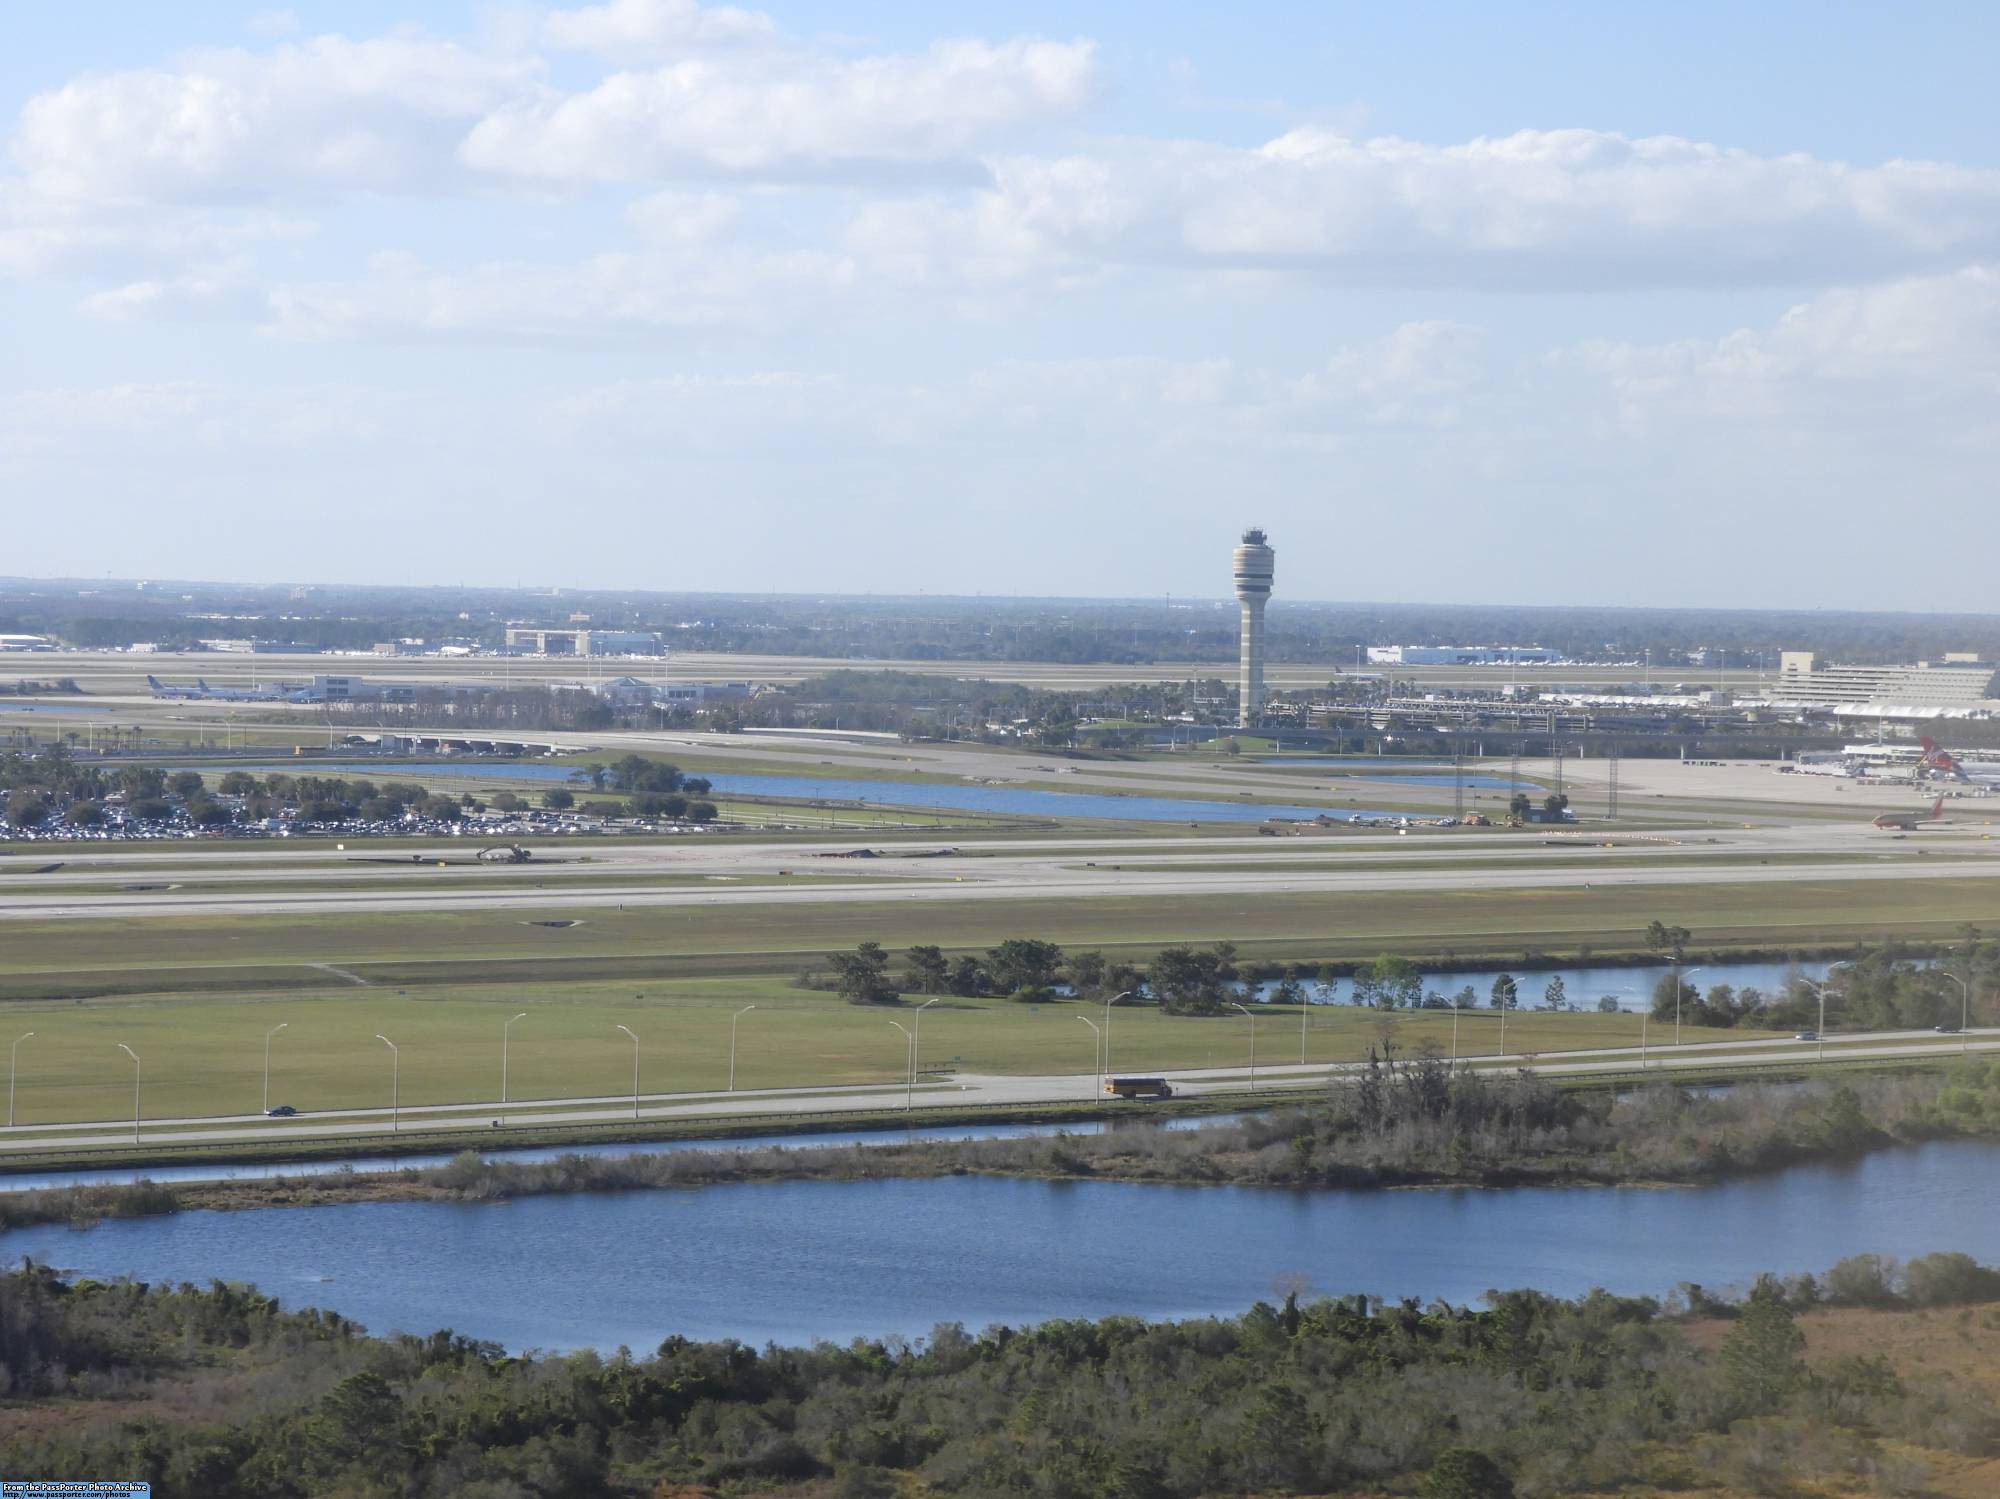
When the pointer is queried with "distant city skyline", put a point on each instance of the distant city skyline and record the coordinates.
(1497, 305)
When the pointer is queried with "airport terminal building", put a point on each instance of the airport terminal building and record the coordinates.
(1461, 655)
(1960, 683)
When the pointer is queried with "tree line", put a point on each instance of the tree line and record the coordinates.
(1524, 1394)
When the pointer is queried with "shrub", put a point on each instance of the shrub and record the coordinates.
(1466, 1473)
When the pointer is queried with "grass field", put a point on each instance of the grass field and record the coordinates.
(205, 1056)
(53, 958)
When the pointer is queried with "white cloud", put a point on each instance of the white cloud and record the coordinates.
(1918, 350)
(648, 29)
(230, 125)
(673, 218)
(1544, 210)
(664, 290)
(40, 236)
(272, 23)
(785, 113)
(1414, 375)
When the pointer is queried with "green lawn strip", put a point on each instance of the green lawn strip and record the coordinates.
(204, 1056)
(1266, 925)
(428, 950)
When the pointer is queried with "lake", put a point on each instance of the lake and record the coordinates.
(799, 1261)
(1631, 987)
(1010, 800)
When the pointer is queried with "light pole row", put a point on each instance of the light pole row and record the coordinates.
(912, 1036)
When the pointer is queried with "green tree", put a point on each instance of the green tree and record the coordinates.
(1393, 983)
(862, 976)
(930, 971)
(359, 1417)
(1187, 982)
(1506, 993)
(1023, 963)
(1662, 938)
(1763, 1356)
(1517, 806)
(556, 799)
(1087, 971)
(25, 810)
(1554, 995)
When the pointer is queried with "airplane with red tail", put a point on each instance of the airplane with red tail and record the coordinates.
(1908, 822)
(1941, 761)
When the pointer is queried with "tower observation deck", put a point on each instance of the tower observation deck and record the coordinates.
(1255, 563)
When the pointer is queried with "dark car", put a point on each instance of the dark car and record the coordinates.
(1947, 1029)
(282, 1111)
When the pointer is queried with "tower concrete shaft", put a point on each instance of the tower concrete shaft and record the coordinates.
(1254, 566)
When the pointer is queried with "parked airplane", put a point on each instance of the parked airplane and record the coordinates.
(1907, 822)
(202, 692)
(1941, 761)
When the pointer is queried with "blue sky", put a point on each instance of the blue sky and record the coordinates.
(1543, 303)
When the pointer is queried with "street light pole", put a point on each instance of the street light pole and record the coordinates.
(635, 1068)
(1096, 1055)
(1302, 1027)
(1253, 1042)
(504, 1029)
(917, 1036)
(1109, 1001)
(1679, 978)
(135, 1089)
(267, 1061)
(395, 1083)
(910, 1077)
(1454, 1033)
(1964, 1012)
(13, 1067)
(732, 1043)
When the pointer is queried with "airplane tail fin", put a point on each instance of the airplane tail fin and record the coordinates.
(1937, 809)
(201, 684)
(152, 681)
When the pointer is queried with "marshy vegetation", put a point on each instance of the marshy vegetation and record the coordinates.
(219, 1391)
(1394, 1123)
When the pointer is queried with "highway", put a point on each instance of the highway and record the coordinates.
(956, 1091)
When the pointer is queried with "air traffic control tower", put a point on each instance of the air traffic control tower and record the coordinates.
(1255, 562)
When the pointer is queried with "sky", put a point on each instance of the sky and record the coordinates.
(1671, 305)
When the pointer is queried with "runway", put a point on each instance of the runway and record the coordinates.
(322, 876)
